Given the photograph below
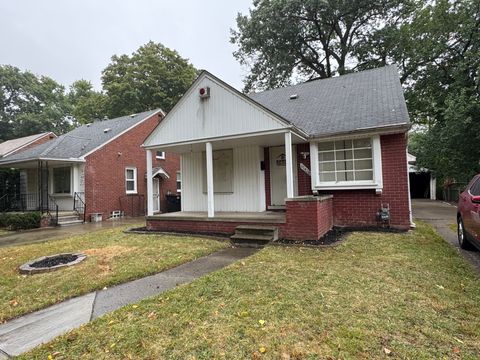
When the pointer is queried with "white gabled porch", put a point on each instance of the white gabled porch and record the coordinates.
(228, 174)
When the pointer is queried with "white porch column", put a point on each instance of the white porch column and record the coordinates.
(210, 193)
(149, 184)
(289, 164)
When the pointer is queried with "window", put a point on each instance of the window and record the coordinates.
(179, 181)
(160, 154)
(222, 171)
(131, 180)
(475, 188)
(61, 180)
(348, 162)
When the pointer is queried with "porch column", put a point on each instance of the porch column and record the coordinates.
(210, 194)
(289, 164)
(149, 184)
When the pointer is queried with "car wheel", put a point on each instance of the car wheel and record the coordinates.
(462, 235)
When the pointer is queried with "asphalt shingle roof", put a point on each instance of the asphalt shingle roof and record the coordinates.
(352, 102)
(14, 144)
(81, 140)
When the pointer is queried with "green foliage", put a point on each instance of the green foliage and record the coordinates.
(20, 221)
(312, 38)
(30, 104)
(154, 76)
(445, 98)
(87, 103)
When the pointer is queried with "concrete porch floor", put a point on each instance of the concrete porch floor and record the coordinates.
(264, 216)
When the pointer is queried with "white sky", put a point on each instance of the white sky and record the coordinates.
(70, 40)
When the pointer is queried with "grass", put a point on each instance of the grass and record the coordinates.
(453, 227)
(113, 257)
(409, 295)
(4, 231)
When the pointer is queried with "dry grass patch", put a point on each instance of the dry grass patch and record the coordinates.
(113, 257)
(408, 295)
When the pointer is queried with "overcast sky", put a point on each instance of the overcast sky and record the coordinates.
(74, 39)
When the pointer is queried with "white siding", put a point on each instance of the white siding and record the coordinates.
(225, 113)
(248, 184)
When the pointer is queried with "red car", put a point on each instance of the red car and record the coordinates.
(468, 215)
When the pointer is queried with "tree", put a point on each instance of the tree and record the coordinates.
(30, 104)
(154, 76)
(310, 38)
(87, 104)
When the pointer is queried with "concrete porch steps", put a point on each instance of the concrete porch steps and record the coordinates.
(69, 218)
(254, 235)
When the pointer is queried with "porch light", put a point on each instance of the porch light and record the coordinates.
(204, 92)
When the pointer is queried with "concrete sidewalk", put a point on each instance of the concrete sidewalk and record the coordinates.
(441, 215)
(39, 235)
(26, 332)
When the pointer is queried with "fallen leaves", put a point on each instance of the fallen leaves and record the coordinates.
(387, 351)
(13, 302)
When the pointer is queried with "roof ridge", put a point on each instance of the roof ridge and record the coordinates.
(353, 73)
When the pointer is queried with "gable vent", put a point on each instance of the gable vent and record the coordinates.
(293, 96)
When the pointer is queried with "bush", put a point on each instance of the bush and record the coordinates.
(20, 221)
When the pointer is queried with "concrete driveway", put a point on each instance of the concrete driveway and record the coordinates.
(441, 215)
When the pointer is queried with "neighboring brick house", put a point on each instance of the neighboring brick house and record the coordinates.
(14, 146)
(300, 159)
(101, 165)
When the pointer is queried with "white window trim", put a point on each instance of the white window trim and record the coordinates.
(176, 181)
(377, 182)
(135, 180)
(160, 157)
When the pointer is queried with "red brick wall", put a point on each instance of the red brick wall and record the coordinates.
(359, 207)
(105, 170)
(305, 220)
(308, 219)
(304, 182)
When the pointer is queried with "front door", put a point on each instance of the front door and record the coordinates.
(278, 176)
(156, 195)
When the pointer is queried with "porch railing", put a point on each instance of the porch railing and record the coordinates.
(19, 202)
(79, 205)
(29, 202)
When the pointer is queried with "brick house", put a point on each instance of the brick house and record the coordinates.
(97, 168)
(298, 159)
(14, 146)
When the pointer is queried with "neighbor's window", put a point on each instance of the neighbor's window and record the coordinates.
(179, 181)
(160, 155)
(346, 161)
(61, 180)
(131, 180)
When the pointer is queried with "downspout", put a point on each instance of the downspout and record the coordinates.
(412, 224)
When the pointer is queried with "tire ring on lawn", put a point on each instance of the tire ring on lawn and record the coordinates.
(29, 268)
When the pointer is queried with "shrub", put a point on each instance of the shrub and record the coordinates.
(20, 221)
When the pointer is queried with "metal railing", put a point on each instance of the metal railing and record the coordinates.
(20, 202)
(52, 208)
(79, 205)
(30, 202)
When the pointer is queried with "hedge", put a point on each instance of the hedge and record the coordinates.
(20, 221)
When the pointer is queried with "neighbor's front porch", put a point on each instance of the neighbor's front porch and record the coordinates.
(46, 186)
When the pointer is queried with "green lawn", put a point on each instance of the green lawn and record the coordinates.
(453, 227)
(408, 295)
(4, 231)
(113, 257)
